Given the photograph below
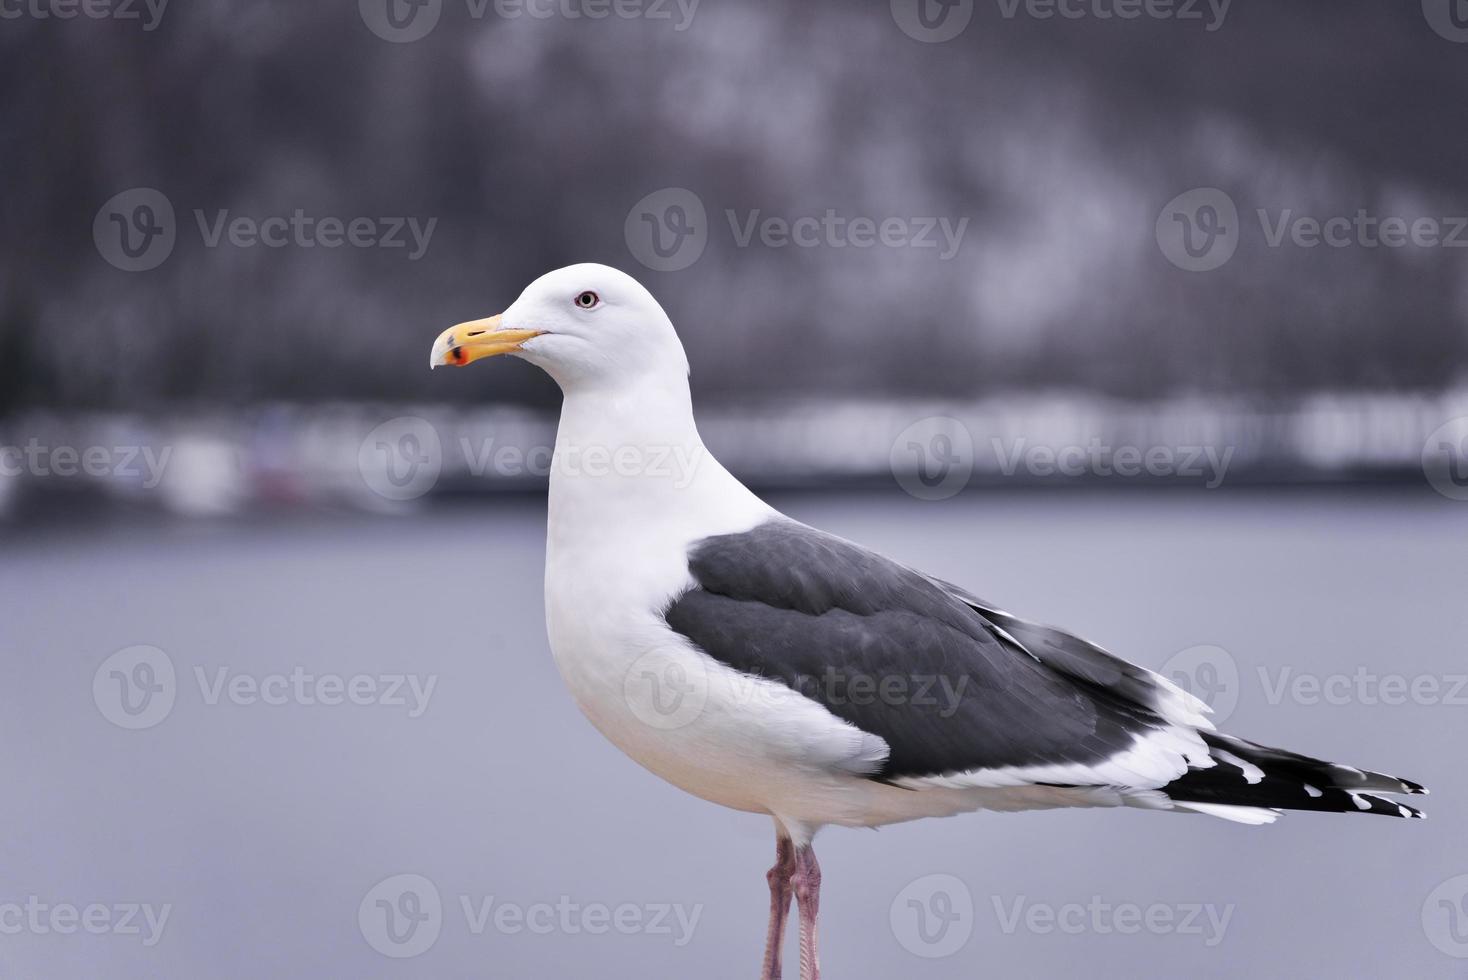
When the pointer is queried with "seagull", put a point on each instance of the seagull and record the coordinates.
(776, 669)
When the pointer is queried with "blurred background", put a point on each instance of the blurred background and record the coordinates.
(1149, 320)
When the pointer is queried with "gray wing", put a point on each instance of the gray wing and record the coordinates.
(1085, 661)
(905, 657)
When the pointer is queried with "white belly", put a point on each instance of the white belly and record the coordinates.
(616, 556)
(740, 741)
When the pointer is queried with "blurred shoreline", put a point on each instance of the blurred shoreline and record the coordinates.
(392, 458)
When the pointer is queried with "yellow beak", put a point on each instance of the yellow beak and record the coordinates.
(466, 343)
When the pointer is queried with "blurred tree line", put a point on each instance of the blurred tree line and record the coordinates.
(530, 139)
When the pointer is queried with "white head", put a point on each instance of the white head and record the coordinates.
(586, 326)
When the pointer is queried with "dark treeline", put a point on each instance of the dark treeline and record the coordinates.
(529, 139)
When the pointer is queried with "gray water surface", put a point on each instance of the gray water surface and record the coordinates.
(264, 828)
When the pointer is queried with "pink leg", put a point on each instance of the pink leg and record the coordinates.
(779, 879)
(807, 883)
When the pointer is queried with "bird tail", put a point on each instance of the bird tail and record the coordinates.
(1252, 783)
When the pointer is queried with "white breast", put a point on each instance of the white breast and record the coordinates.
(616, 556)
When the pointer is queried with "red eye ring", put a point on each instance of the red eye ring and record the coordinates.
(587, 300)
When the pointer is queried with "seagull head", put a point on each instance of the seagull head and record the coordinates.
(585, 325)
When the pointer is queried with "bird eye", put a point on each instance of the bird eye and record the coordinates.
(587, 300)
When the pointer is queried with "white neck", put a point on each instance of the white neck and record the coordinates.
(630, 471)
